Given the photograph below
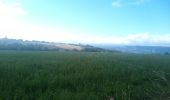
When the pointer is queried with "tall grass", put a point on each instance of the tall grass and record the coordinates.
(83, 76)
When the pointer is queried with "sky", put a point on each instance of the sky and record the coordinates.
(126, 22)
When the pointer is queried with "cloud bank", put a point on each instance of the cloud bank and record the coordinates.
(142, 39)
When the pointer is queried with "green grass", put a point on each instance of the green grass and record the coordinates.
(30, 75)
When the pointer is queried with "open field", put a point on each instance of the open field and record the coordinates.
(29, 75)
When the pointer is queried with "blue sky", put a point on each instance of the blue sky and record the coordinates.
(88, 21)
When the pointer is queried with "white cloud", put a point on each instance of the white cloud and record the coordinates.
(122, 3)
(11, 10)
(137, 2)
(143, 39)
(116, 3)
(146, 39)
(137, 38)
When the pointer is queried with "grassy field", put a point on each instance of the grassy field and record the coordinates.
(35, 75)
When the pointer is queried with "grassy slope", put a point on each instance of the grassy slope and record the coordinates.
(83, 76)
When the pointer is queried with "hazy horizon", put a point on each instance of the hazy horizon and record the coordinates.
(127, 22)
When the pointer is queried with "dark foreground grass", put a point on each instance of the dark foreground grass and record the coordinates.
(83, 76)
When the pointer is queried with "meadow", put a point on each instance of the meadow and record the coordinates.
(44, 75)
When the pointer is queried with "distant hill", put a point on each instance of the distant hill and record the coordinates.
(19, 44)
(137, 49)
(14, 44)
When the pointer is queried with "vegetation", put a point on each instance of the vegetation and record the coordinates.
(29, 75)
(13, 44)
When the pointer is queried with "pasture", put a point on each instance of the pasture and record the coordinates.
(43, 75)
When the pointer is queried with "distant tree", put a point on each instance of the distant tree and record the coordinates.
(167, 53)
